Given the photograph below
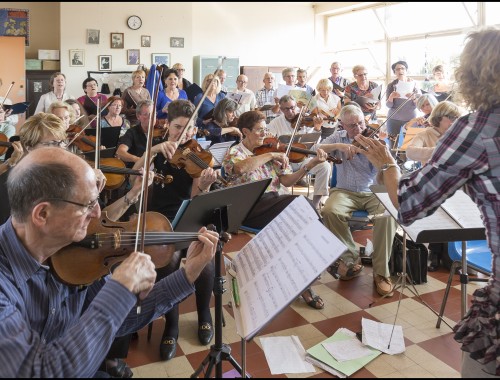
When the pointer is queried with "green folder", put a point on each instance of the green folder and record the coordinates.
(319, 356)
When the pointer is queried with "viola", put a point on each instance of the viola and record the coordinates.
(108, 243)
(298, 151)
(83, 142)
(191, 157)
(4, 144)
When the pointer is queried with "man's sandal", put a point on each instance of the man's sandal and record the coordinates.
(343, 271)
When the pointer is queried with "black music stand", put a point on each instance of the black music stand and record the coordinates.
(109, 136)
(441, 226)
(226, 209)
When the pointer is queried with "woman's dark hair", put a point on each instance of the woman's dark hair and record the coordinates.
(87, 80)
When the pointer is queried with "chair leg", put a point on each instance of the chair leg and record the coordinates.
(454, 266)
(150, 330)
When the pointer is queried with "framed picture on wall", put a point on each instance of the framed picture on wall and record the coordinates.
(117, 41)
(145, 41)
(93, 36)
(15, 23)
(133, 56)
(104, 63)
(176, 42)
(160, 59)
(77, 57)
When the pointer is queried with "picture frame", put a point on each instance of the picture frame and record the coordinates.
(177, 42)
(105, 63)
(133, 56)
(15, 23)
(93, 36)
(77, 57)
(145, 41)
(160, 59)
(117, 41)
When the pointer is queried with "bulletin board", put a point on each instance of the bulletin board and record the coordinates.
(114, 79)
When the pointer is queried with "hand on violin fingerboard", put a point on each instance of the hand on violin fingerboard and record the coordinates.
(200, 253)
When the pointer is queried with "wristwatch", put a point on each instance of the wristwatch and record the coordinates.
(387, 166)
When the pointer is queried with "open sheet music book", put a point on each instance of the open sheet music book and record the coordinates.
(457, 219)
(283, 89)
(17, 108)
(240, 97)
(275, 267)
(219, 151)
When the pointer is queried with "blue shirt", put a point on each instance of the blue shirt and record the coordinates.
(353, 175)
(163, 100)
(49, 329)
(206, 106)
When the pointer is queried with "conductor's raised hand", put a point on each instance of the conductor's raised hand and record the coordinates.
(200, 253)
(376, 151)
(137, 273)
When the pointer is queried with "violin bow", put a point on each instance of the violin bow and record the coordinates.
(7, 94)
(299, 119)
(88, 124)
(200, 103)
(97, 150)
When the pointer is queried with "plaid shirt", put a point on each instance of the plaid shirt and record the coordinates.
(264, 96)
(467, 155)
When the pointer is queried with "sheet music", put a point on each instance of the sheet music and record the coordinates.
(219, 151)
(405, 88)
(460, 213)
(279, 263)
(463, 210)
(240, 97)
(283, 89)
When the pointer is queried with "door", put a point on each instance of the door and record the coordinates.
(37, 84)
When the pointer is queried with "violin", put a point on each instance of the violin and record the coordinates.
(5, 144)
(83, 142)
(108, 243)
(191, 157)
(298, 151)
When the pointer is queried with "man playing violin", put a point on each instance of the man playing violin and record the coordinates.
(50, 329)
(241, 162)
(282, 125)
(354, 178)
(167, 199)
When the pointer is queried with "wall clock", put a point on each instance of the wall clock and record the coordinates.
(134, 22)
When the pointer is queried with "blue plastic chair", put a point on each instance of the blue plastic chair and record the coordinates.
(478, 259)
(359, 218)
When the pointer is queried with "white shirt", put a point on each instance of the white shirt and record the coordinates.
(281, 126)
(248, 106)
(47, 99)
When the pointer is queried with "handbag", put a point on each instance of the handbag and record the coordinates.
(416, 260)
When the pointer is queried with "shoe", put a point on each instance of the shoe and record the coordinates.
(343, 271)
(315, 301)
(168, 347)
(205, 333)
(120, 370)
(383, 285)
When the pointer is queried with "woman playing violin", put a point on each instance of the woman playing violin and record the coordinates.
(425, 104)
(221, 128)
(247, 167)
(167, 200)
(80, 117)
(328, 105)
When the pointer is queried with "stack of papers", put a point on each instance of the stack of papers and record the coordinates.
(350, 354)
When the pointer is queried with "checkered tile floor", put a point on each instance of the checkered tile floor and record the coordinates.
(430, 352)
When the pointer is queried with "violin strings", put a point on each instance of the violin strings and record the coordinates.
(197, 160)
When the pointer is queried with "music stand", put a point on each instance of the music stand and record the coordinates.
(109, 136)
(226, 209)
(308, 139)
(444, 225)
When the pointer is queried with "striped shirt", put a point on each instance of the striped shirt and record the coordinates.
(49, 329)
(357, 174)
(467, 155)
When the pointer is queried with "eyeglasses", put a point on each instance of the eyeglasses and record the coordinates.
(452, 118)
(352, 126)
(243, 82)
(288, 108)
(260, 131)
(52, 143)
(89, 206)
(362, 75)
